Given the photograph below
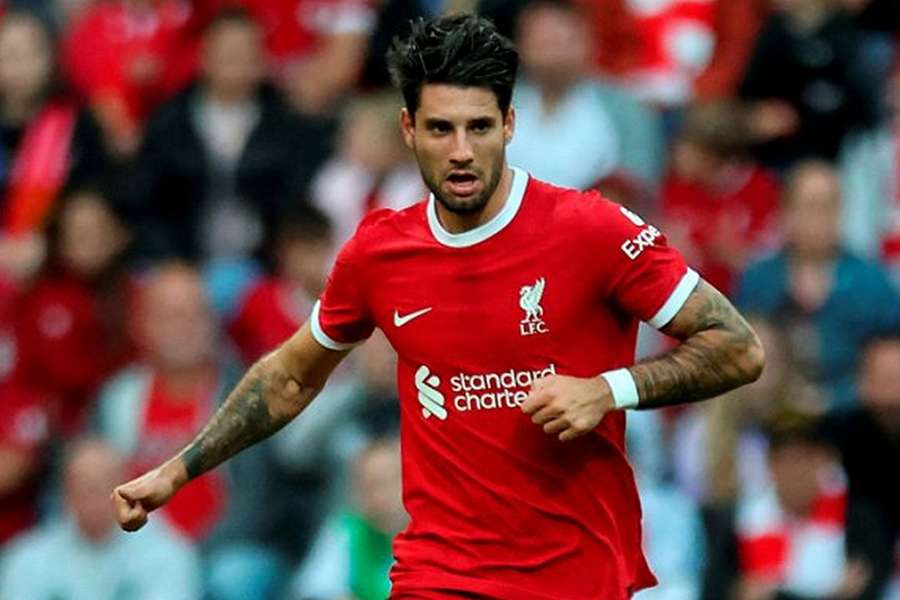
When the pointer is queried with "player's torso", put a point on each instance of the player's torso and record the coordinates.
(474, 326)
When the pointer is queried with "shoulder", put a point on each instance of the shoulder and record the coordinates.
(382, 226)
(34, 546)
(571, 204)
(590, 219)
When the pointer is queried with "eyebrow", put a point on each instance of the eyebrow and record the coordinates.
(479, 121)
(434, 122)
(483, 121)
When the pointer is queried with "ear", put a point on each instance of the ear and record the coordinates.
(408, 128)
(509, 124)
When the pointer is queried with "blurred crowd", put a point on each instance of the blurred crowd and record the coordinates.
(176, 177)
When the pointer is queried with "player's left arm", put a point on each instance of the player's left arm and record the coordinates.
(719, 351)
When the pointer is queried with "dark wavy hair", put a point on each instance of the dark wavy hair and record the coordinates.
(462, 50)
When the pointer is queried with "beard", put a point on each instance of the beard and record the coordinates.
(466, 206)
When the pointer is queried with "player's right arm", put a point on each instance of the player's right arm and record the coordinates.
(272, 392)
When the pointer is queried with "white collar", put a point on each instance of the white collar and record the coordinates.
(487, 229)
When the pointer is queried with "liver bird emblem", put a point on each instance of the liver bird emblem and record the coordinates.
(530, 300)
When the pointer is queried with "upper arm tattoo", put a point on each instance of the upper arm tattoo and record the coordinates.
(719, 351)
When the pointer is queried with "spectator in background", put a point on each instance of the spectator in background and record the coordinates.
(869, 439)
(371, 169)
(791, 538)
(318, 47)
(573, 130)
(154, 408)
(73, 325)
(719, 207)
(819, 92)
(223, 159)
(352, 555)
(82, 555)
(870, 172)
(827, 300)
(46, 142)
(127, 56)
(24, 436)
(279, 304)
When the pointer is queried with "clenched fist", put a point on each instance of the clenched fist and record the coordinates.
(568, 406)
(135, 499)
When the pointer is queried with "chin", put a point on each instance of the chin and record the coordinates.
(465, 207)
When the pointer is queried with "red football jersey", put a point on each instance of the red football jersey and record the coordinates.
(556, 282)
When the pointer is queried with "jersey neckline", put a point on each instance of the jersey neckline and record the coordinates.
(485, 230)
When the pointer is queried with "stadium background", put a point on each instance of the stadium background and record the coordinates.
(176, 176)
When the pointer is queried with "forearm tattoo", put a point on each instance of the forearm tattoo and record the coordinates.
(253, 411)
(719, 352)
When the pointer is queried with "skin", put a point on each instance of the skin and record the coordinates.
(459, 129)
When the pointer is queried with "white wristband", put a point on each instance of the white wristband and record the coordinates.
(623, 388)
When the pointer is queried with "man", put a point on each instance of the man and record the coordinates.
(868, 436)
(571, 128)
(502, 296)
(81, 555)
(825, 299)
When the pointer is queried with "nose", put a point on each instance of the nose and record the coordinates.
(461, 153)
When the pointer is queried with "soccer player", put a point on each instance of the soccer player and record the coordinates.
(513, 306)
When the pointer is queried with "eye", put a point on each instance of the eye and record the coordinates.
(440, 127)
(480, 126)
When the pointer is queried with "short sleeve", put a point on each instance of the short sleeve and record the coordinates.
(646, 278)
(341, 318)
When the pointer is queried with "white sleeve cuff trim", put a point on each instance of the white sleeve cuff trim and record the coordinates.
(676, 300)
(322, 337)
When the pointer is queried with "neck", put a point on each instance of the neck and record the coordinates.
(813, 259)
(460, 223)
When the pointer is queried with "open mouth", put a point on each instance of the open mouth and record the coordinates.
(461, 177)
(462, 183)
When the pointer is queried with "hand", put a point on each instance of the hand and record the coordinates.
(134, 500)
(568, 406)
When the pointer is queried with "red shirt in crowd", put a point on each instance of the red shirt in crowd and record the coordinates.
(294, 28)
(136, 57)
(800, 554)
(740, 219)
(556, 282)
(269, 314)
(169, 423)
(69, 341)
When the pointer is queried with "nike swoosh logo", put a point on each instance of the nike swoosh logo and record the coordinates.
(401, 321)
